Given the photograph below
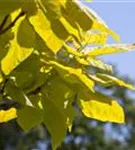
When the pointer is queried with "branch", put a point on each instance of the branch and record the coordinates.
(6, 104)
(4, 21)
(2, 31)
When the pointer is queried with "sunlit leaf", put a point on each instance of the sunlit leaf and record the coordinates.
(73, 76)
(42, 26)
(19, 47)
(109, 49)
(95, 38)
(100, 107)
(7, 115)
(99, 64)
(48, 60)
(113, 81)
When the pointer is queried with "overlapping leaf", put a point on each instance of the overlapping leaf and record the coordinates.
(57, 102)
(46, 59)
(100, 107)
(73, 75)
(55, 122)
(20, 48)
(109, 49)
(33, 114)
(113, 81)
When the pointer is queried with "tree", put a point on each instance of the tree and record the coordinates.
(47, 66)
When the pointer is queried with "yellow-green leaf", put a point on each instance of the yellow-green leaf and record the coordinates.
(72, 51)
(19, 47)
(100, 107)
(73, 75)
(7, 115)
(70, 29)
(99, 64)
(42, 26)
(1, 78)
(98, 80)
(95, 38)
(114, 81)
(76, 15)
(53, 7)
(109, 49)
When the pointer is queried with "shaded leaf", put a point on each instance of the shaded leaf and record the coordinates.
(29, 117)
(55, 121)
(15, 93)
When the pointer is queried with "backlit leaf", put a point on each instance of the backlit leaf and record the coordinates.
(99, 64)
(42, 26)
(100, 107)
(113, 81)
(7, 115)
(95, 38)
(73, 76)
(18, 50)
(109, 49)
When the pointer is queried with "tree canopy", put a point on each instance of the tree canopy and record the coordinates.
(49, 64)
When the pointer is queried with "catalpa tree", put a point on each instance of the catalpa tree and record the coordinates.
(49, 65)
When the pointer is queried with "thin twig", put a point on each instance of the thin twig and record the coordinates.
(4, 21)
(12, 23)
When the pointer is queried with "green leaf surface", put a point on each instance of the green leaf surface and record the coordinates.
(14, 4)
(73, 76)
(42, 26)
(18, 52)
(55, 122)
(29, 117)
(57, 101)
(30, 69)
(15, 93)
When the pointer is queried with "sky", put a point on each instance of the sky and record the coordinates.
(119, 15)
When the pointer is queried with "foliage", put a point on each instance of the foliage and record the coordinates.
(86, 133)
(47, 63)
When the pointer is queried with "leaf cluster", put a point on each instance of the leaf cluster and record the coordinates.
(49, 60)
